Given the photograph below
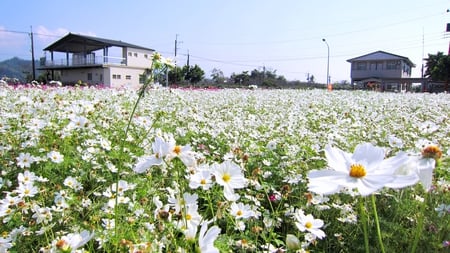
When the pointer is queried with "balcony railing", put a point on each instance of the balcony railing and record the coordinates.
(82, 61)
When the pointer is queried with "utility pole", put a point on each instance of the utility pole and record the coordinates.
(32, 54)
(187, 63)
(175, 58)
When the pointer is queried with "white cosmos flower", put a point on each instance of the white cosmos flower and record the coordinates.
(26, 177)
(230, 176)
(395, 142)
(308, 223)
(184, 153)
(78, 122)
(5, 244)
(72, 183)
(108, 224)
(24, 160)
(73, 241)
(26, 190)
(201, 178)
(416, 169)
(365, 170)
(190, 217)
(187, 200)
(122, 186)
(55, 157)
(241, 210)
(160, 148)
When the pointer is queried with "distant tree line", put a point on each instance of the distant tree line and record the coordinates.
(437, 70)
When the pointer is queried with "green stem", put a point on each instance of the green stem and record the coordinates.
(363, 214)
(213, 214)
(419, 226)
(377, 223)
(119, 170)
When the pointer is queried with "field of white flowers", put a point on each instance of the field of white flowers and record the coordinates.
(221, 171)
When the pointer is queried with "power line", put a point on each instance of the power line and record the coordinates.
(22, 32)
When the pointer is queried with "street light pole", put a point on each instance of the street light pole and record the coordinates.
(328, 63)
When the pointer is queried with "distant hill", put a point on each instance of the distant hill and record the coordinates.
(17, 68)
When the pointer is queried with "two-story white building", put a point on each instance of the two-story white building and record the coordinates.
(96, 61)
(383, 71)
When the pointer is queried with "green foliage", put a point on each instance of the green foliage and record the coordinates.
(438, 67)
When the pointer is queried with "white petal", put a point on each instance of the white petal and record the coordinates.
(402, 181)
(370, 154)
(392, 164)
(336, 158)
(372, 183)
(425, 171)
(206, 241)
(229, 194)
(145, 163)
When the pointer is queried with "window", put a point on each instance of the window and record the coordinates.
(141, 79)
(361, 66)
(89, 76)
(130, 54)
(379, 65)
(145, 56)
(116, 76)
(128, 77)
(392, 64)
(135, 54)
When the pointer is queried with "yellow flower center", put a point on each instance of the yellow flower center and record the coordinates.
(308, 225)
(432, 151)
(188, 217)
(357, 171)
(226, 177)
(177, 150)
(239, 213)
(203, 181)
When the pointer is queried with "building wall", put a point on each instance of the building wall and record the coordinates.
(125, 77)
(380, 69)
(112, 76)
(138, 57)
(90, 76)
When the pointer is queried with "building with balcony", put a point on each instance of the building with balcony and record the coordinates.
(383, 71)
(96, 61)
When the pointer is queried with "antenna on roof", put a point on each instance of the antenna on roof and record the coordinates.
(423, 46)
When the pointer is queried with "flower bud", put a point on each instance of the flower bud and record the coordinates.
(292, 242)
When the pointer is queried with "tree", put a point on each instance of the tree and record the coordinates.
(193, 74)
(438, 68)
(242, 78)
(217, 76)
(175, 75)
(263, 78)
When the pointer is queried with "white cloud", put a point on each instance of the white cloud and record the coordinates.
(46, 35)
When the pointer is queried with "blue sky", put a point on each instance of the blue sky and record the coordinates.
(239, 35)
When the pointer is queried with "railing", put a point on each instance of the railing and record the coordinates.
(82, 61)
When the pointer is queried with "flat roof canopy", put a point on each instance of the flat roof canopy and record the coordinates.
(75, 43)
